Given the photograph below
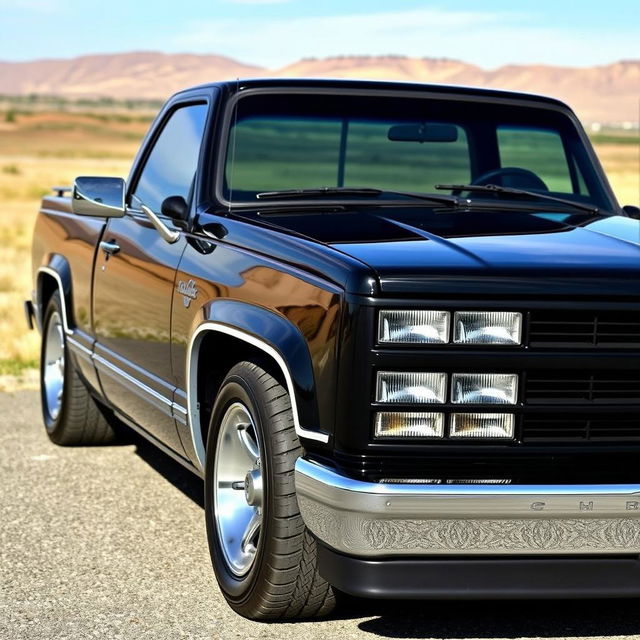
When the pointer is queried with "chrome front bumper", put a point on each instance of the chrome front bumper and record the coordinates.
(376, 520)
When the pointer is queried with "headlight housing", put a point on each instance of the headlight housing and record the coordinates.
(484, 388)
(413, 327)
(481, 425)
(487, 327)
(429, 326)
(405, 424)
(409, 387)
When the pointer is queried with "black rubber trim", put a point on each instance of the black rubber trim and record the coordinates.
(29, 313)
(475, 578)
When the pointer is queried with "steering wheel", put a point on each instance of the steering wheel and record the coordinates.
(515, 177)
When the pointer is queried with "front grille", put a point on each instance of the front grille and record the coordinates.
(581, 427)
(583, 387)
(579, 328)
(577, 416)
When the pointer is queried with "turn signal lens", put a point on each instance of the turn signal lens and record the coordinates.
(487, 327)
(414, 327)
(390, 424)
(419, 388)
(484, 388)
(482, 425)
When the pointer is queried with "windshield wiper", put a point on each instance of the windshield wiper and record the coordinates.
(494, 188)
(318, 192)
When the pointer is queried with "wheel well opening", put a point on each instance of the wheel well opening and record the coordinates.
(217, 354)
(47, 286)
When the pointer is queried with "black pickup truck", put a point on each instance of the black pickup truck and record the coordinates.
(395, 328)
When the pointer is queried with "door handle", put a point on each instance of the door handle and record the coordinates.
(110, 248)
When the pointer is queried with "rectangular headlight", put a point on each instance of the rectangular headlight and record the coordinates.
(402, 424)
(420, 388)
(414, 327)
(487, 327)
(481, 425)
(484, 388)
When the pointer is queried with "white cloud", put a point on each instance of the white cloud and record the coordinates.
(488, 39)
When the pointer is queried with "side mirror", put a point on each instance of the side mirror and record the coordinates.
(175, 207)
(632, 211)
(96, 196)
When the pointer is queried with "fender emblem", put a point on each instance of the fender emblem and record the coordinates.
(188, 290)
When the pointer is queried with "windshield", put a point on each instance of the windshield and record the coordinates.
(285, 141)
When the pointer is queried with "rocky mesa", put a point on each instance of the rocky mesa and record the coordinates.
(607, 93)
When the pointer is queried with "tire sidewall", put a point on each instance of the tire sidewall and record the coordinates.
(50, 423)
(239, 590)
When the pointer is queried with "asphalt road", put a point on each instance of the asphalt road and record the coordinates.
(109, 543)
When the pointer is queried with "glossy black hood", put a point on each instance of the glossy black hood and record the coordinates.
(420, 250)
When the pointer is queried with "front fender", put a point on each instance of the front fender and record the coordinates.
(277, 338)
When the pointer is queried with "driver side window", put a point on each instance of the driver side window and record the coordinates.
(171, 166)
(538, 150)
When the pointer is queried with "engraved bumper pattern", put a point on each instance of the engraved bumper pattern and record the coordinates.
(352, 534)
(379, 529)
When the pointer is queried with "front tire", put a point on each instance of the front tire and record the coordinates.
(71, 416)
(264, 558)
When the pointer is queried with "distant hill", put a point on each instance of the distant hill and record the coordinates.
(607, 93)
(141, 74)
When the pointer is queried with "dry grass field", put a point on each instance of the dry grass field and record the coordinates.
(37, 151)
(41, 149)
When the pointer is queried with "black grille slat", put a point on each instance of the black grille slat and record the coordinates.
(550, 427)
(613, 329)
(575, 387)
(592, 406)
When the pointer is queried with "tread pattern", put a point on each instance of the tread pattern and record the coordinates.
(290, 585)
(81, 421)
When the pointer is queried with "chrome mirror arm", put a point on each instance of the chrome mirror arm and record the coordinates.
(168, 235)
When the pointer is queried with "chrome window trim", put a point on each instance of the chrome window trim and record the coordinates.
(193, 409)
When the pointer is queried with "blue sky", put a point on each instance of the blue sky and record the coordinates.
(273, 33)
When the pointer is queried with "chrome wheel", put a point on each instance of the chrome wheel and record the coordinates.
(53, 368)
(237, 489)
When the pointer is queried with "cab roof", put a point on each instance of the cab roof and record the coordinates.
(233, 86)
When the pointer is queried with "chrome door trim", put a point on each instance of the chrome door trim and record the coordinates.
(77, 348)
(140, 388)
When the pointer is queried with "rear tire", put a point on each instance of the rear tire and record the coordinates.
(252, 444)
(71, 416)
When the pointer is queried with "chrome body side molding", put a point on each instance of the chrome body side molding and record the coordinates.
(376, 519)
(145, 392)
(78, 348)
(151, 438)
(161, 402)
(193, 410)
(169, 407)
